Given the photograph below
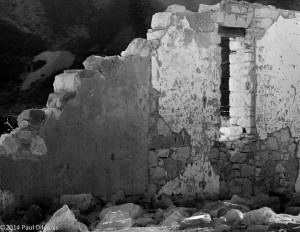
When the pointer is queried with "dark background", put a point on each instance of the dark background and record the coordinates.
(84, 27)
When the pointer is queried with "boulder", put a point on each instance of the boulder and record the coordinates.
(182, 210)
(64, 220)
(197, 220)
(33, 117)
(263, 216)
(133, 210)
(220, 208)
(234, 217)
(173, 220)
(81, 202)
(115, 220)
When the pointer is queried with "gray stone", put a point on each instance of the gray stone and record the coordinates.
(173, 220)
(272, 143)
(247, 171)
(162, 128)
(134, 211)
(292, 149)
(33, 116)
(152, 159)
(163, 153)
(159, 173)
(237, 157)
(262, 216)
(182, 154)
(234, 217)
(64, 220)
(116, 220)
(197, 220)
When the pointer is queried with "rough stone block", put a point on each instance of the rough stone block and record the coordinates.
(182, 154)
(155, 34)
(235, 131)
(152, 159)
(237, 157)
(176, 8)
(238, 99)
(218, 17)
(38, 146)
(68, 82)
(10, 143)
(208, 8)
(163, 153)
(247, 171)
(161, 20)
(162, 128)
(272, 143)
(159, 173)
(266, 12)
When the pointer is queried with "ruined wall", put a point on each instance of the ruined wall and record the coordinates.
(185, 72)
(263, 80)
(277, 101)
(95, 130)
(278, 58)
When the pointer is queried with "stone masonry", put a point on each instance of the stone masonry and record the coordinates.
(148, 122)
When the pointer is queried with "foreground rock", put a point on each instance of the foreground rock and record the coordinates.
(197, 220)
(134, 211)
(64, 220)
(115, 220)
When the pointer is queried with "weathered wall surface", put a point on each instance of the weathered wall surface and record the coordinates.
(277, 100)
(278, 58)
(96, 134)
(185, 72)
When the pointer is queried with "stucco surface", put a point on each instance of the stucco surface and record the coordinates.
(98, 144)
(185, 72)
(278, 83)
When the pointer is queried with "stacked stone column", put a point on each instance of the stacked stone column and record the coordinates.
(241, 86)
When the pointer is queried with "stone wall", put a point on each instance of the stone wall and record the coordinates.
(94, 133)
(185, 72)
(149, 121)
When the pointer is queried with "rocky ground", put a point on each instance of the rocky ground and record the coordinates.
(83, 212)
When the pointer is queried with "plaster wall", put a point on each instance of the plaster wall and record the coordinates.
(185, 72)
(95, 133)
(278, 73)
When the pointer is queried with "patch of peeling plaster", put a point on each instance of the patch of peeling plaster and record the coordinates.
(185, 72)
(278, 83)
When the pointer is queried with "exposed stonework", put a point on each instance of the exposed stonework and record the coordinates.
(149, 122)
(253, 167)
